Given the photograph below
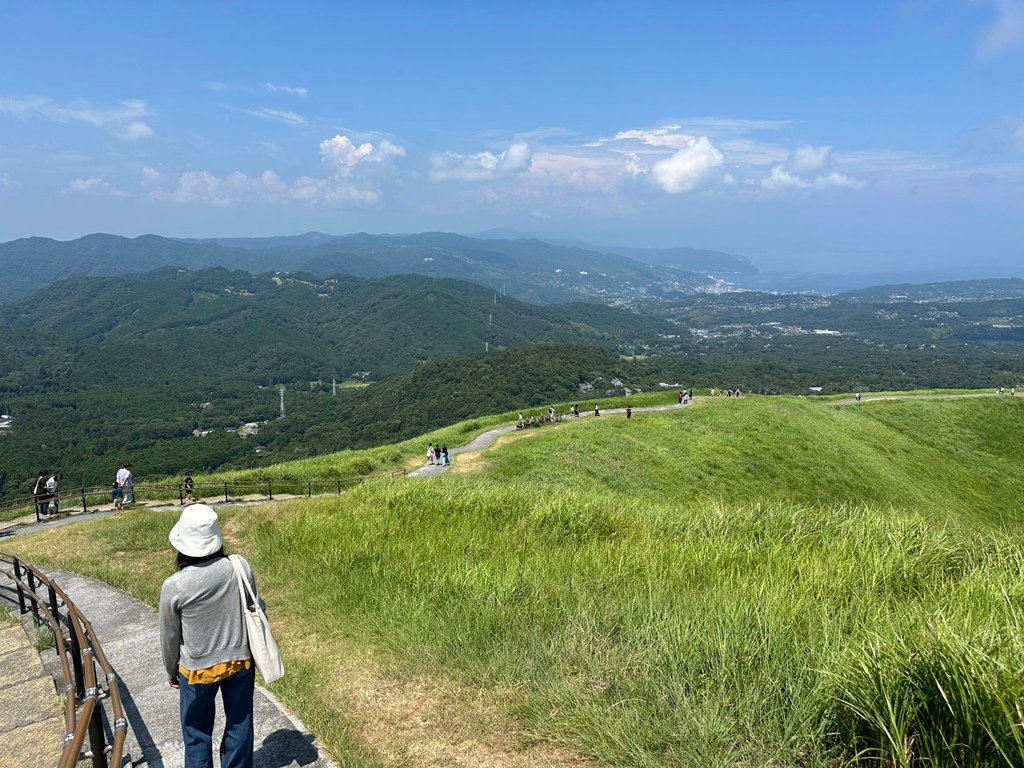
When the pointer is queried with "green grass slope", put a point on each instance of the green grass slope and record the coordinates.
(768, 581)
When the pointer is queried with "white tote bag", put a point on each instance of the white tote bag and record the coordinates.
(262, 646)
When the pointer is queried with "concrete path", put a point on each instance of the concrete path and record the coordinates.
(871, 398)
(31, 721)
(130, 635)
(486, 439)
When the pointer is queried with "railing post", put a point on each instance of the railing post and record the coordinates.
(76, 657)
(21, 593)
(309, 488)
(339, 487)
(225, 491)
(181, 496)
(97, 742)
(270, 490)
(85, 507)
(32, 594)
(53, 603)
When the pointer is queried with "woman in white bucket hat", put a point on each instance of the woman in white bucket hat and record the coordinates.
(203, 642)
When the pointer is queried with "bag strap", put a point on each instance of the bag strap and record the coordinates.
(244, 587)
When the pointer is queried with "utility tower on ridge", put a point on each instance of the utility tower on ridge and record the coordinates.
(282, 403)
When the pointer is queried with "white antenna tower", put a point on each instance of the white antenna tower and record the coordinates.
(487, 346)
(282, 402)
(490, 320)
(334, 387)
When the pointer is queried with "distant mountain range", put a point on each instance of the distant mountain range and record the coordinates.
(532, 270)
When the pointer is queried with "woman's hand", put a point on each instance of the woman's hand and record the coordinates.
(173, 682)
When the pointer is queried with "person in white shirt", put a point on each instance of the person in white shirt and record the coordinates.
(51, 491)
(126, 483)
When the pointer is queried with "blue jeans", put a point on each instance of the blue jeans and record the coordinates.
(197, 713)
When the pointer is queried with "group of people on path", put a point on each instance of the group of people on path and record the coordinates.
(438, 454)
(44, 492)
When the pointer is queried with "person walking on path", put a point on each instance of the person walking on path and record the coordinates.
(204, 644)
(117, 495)
(680, 397)
(597, 411)
(444, 454)
(629, 413)
(190, 486)
(430, 453)
(127, 483)
(39, 492)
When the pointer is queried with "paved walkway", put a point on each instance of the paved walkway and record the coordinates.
(130, 635)
(31, 721)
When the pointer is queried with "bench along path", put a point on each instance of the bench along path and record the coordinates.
(130, 634)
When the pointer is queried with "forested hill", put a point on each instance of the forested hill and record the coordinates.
(216, 325)
(963, 290)
(527, 269)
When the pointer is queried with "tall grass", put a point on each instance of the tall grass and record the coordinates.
(756, 582)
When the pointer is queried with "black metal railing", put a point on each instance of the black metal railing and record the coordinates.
(79, 500)
(83, 664)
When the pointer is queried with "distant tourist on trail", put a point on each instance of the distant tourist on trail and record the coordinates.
(444, 454)
(857, 398)
(117, 495)
(691, 394)
(52, 488)
(680, 397)
(519, 422)
(204, 641)
(712, 391)
(39, 492)
(629, 413)
(189, 487)
(576, 410)
(127, 483)
(597, 411)
(430, 453)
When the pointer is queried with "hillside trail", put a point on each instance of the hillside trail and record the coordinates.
(488, 438)
(418, 723)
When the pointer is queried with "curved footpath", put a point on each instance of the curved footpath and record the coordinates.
(129, 632)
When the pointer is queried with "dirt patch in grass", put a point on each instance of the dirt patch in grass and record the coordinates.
(421, 722)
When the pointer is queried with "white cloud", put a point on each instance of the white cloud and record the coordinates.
(809, 167)
(281, 115)
(454, 166)
(666, 136)
(7, 183)
(1006, 32)
(205, 188)
(151, 177)
(292, 91)
(214, 85)
(121, 120)
(694, 166)
(343, 155)
(135, 131)
(93, 186)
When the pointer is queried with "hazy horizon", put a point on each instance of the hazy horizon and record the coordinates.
(872, 138)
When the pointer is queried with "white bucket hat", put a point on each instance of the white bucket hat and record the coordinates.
(197, 532)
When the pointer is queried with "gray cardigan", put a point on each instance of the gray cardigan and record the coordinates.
(201, 621)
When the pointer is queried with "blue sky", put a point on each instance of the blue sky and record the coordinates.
(825, 136)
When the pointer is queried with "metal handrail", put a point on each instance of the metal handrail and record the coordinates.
(212, 490)
(78, 667)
